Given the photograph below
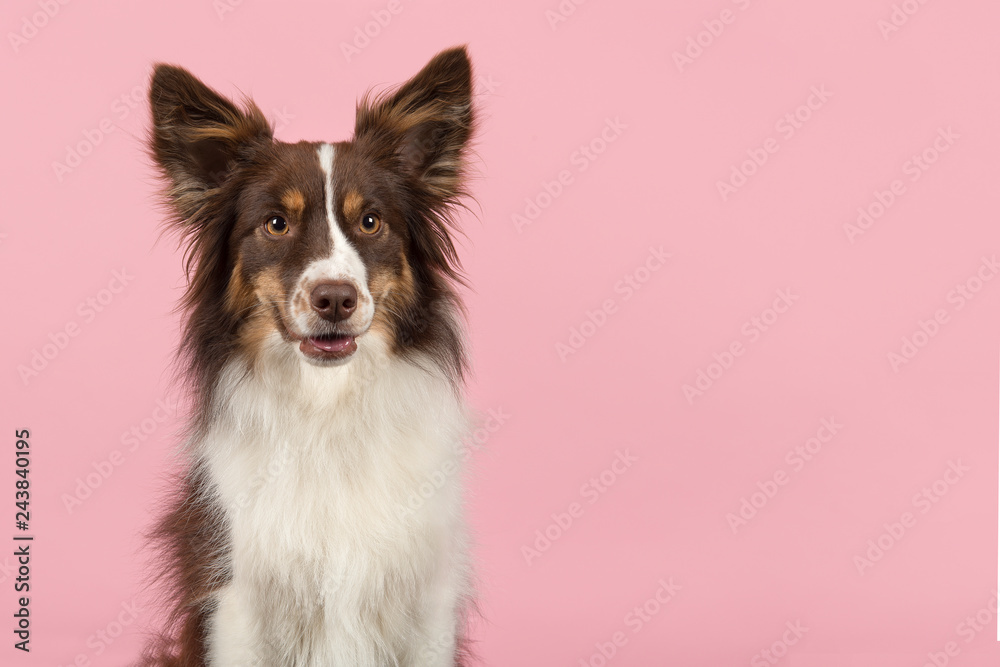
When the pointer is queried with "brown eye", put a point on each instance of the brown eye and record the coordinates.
(276, 226)
(370, 223)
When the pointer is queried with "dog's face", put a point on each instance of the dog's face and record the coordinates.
(316, 247)
(318, 243)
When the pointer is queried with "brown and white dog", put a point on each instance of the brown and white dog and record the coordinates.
(324, 348)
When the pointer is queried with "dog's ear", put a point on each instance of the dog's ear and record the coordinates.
(425, 124)
(198, 135)
(420, 134)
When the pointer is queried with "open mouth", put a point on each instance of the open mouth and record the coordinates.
(328, 346)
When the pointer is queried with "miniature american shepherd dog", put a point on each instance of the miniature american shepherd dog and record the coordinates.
(323, 347)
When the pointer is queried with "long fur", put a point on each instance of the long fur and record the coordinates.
(293, 538)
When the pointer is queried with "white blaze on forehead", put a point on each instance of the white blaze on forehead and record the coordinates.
(343, 257)
(343, 262)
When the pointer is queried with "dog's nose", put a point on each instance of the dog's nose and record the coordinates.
(334, 301)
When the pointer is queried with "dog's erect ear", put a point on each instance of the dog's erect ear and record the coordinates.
(426, 123)
(198, 135)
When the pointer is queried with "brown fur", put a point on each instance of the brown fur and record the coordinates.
(352, 206)
(225, 176)
(193, 538)
(294, 202)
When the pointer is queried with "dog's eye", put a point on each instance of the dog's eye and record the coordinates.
(370, 223)
(276, 226)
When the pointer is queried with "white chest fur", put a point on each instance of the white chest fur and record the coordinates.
(316, 469)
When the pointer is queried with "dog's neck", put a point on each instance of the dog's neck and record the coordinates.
(374, 393)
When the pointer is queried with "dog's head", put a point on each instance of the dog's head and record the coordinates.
(318, 243)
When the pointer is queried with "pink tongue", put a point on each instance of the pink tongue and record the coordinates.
(332, 344)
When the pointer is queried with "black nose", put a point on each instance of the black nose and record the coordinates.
(334, 301)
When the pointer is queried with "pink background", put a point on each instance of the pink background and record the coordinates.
(675, 132)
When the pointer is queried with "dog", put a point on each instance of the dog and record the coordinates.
(324, 351)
